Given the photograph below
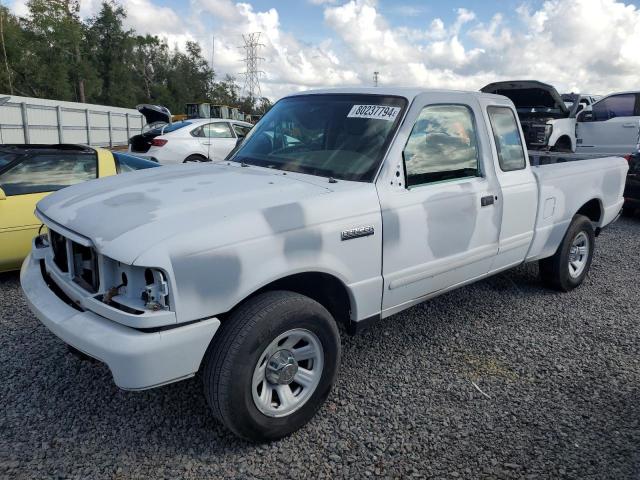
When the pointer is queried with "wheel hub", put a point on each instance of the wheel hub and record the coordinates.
(578, 254)
(281, 368)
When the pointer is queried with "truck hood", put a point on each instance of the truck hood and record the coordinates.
(125, 215)
(528, 93)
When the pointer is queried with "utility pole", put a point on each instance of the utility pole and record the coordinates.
(375, 78)
(252, 72)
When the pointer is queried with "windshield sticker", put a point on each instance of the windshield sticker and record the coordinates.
(378, 112)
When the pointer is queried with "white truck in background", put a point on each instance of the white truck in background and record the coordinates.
(610, 126)
(548, 119)
(340, 206)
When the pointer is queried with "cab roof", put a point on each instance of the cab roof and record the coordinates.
(407, 92)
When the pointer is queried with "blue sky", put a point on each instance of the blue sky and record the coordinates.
(576, 45)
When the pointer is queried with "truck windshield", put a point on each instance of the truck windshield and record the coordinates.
(333, 135)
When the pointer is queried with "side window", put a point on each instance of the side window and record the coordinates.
(217, 130)
(614, 106)
(507, 138)
(241, 130)
(47, 173)
(442, 145)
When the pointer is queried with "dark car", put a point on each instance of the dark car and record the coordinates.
(632, 188)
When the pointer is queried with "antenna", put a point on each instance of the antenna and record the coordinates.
(252, 73)
(213, 49)
(375, 78)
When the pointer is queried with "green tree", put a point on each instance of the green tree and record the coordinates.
(111, 47)
(53, 53)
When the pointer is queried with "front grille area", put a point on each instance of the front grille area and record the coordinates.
(59, 247)
(84, 261)
(534, 133)
(85, 267)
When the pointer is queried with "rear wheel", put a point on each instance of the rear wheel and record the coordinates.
(195, 158)
(272, 365)
(569, 266)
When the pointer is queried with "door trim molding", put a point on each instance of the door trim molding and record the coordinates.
(438, 267)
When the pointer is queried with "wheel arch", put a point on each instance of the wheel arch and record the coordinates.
(562, 141)
(593, 210)
(325, 288)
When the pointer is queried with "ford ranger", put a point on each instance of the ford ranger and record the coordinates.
(340, 207)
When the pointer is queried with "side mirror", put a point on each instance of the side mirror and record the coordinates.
(585, 117)
(239, 140)
(3, 196)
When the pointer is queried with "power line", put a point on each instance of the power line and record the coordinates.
(252, 72)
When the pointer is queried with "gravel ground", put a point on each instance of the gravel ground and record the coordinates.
(560, 375)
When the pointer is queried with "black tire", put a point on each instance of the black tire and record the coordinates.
(237, 347)
(628, 211)
(195, 158)
(554, 271)
(563, 145)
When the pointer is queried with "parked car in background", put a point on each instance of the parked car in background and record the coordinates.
(28, 173)
(611, 126)
(632, 187)
(548, 120)
(585, 101)
(197, 140)
(342, 206)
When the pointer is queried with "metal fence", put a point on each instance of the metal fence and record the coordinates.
(32, 120)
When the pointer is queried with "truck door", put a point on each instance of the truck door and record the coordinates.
(611, 126)
(439, 213)
(518, 186)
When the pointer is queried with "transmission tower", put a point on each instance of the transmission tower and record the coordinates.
(252, 73)
(375, 78)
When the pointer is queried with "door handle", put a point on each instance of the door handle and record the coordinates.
(629, 125)
(487, 200)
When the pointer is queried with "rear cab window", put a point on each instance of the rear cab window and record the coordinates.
(507, 138)
(442, 146)
(34, 171)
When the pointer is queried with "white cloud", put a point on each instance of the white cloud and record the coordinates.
(580, 45)
(289, 64)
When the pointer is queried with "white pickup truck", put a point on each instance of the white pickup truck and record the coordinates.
(341, 206)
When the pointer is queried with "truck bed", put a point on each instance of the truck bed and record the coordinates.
(565, 183)
(538, 157)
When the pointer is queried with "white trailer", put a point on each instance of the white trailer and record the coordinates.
(37, 120)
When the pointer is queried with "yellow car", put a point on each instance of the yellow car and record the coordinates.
(30, 172)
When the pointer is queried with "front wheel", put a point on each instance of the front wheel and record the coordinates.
(272, 365)
(569, 266)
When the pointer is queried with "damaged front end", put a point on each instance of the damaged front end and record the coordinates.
(135, 296)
